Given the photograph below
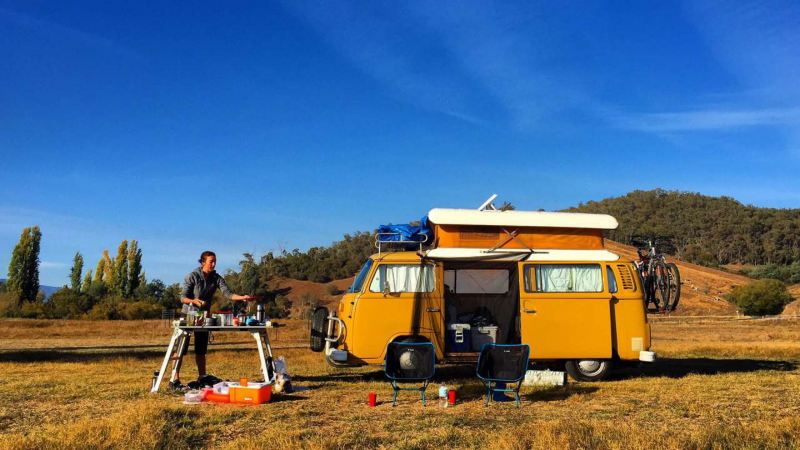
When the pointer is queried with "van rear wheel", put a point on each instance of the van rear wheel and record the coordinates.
(319, 319)
(588, 369)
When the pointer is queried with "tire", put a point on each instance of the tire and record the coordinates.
(661, 281)
(588, 369)
(675, 285)
(318, 333)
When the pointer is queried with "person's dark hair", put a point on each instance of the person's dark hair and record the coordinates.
(206, 254)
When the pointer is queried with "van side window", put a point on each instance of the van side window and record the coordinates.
(477, 281)
(612, 281)
(397, 278)
(563, 278)
(362, 275)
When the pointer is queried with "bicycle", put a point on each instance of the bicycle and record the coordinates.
(661, 280)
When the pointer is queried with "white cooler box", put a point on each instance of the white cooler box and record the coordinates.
(483, 335)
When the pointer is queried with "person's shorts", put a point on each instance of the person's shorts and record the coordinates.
(200, 343)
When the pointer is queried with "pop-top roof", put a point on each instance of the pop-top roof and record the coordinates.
(551, 255)
(445, 216)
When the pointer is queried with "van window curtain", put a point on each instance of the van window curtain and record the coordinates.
(403, 278)
(569, 278)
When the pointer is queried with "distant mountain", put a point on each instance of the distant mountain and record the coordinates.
(48, 290)
(705, 230)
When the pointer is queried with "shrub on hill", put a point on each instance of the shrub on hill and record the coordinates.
(761, 297)
(788, 274)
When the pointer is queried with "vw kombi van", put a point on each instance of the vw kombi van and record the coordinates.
(539, 278)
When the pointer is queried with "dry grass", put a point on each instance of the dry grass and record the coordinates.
(723, 384)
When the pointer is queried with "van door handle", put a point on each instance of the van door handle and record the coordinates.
(530, 311)
(433, 310)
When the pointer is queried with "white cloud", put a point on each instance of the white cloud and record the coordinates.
(708, 119)
(52, 265)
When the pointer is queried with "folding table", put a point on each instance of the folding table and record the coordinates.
(180, 342)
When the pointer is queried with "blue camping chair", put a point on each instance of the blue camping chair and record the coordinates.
(410, 361)
(502, 365)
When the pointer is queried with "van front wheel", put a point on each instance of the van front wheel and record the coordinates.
(588, 369)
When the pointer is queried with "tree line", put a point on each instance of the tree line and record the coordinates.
(118, 289)
(705, 230)
(710, 231)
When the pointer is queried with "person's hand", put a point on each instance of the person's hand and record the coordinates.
(249, 298)
(199, 303)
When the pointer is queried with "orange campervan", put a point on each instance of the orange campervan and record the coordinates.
(539, 278)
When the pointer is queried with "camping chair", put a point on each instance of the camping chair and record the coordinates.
(410, 361)
(503, 364)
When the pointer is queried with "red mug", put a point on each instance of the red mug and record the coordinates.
(372, 399)
(451, 397)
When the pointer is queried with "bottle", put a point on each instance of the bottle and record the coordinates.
(443, 396)
(260, 313)
(155, 378)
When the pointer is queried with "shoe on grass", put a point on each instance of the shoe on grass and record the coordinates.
(176, 386)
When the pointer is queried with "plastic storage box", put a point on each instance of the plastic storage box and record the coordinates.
(253, 393)
(483, 335)
(459, 339)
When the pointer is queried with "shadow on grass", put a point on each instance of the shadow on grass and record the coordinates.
(92, 354)
(77, 356)
(542, 394)
(280, 398)
(681, 367)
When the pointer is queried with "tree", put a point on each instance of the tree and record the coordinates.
(69, 304)
(248, 276)
(134, 267)
(75, 273)
(102, 270)
(23, 270)
(172, 296)
(87, 281)
(119, 283)
(761, 297)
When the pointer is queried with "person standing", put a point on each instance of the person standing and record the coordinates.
(198, 291)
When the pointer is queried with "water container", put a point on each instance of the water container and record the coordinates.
(443, 396)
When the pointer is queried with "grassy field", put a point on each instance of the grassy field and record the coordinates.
(77, 384)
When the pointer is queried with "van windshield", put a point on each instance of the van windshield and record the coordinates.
(362, 275)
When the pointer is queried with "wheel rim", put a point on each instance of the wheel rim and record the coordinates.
(590, 366)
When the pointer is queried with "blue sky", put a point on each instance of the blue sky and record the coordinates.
(250, 127)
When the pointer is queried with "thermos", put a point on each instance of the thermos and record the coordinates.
(260, 313)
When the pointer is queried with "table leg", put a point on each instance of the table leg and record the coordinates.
(175, 337)
(267, 367)
(182, 347)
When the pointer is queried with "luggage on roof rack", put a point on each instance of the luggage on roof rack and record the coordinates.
(408, 236)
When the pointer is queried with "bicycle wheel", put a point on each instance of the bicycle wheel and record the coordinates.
(674, 286)
(661, 281)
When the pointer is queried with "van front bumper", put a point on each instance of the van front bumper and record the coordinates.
(646, 356)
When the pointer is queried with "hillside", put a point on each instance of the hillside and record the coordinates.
(705, 230)
(702, 288)
(298, 290)
(793, 309)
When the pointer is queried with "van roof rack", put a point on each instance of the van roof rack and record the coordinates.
(381, 244)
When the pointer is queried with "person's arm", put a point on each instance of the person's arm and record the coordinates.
(226, 291)
(188, 289)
